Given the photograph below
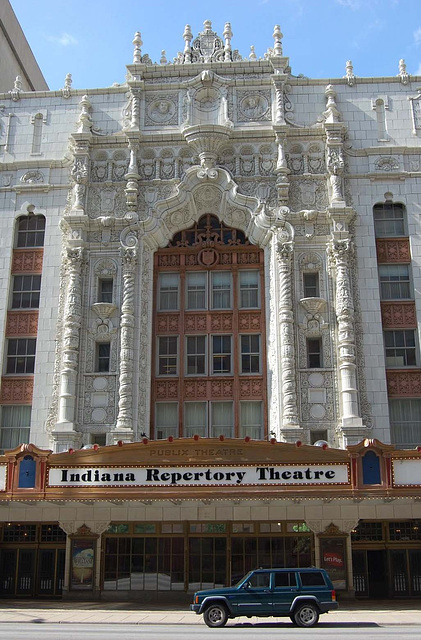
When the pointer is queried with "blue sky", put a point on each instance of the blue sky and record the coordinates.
(92, 39)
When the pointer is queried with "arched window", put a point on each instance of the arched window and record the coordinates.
(371, 468)
(27, 471)
(209, 359)
(389, 220)
(30, 231)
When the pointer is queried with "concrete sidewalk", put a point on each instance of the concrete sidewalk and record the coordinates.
(349, 615)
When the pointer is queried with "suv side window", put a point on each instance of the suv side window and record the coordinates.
(285, 579)
(312, 579)
(259, 580)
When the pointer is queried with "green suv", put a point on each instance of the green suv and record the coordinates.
(301, 594)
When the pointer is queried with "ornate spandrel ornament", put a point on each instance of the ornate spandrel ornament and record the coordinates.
(415, 103)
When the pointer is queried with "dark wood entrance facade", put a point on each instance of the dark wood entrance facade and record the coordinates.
(32, 560)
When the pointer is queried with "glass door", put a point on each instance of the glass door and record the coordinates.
(207, 563)
(25, 572)
(8, 562)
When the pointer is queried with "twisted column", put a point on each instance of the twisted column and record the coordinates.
(72, 322)
(290, 417)
(125, 403)
(340, 253)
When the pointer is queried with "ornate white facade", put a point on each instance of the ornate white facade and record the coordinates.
(298, 165)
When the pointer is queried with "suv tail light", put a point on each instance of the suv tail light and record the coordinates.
(333, 595)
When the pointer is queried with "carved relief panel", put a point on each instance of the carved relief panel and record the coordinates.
(253, 105)
(99, 402)
(306, 158)
(161, 109)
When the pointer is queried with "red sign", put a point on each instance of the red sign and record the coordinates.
(332, 559)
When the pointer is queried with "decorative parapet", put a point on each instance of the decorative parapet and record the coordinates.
(16, 390)
(399, 315)
(405, 383)
(393, 250)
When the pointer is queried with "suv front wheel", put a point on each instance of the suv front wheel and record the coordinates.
(215, 615)
(306, 615)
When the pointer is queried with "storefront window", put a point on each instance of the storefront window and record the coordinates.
(333, 559)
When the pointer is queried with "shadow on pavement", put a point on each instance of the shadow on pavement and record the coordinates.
(321, 625)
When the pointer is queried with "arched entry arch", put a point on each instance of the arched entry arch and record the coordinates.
(209, 344)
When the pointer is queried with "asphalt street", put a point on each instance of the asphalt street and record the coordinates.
(233, 631)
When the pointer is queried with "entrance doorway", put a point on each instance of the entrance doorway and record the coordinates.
(378, 578)
(32, 560)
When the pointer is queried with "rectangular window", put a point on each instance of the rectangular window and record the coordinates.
(166, 420)
(249, 289)
(15, 425)
(105, 290)
(221, 355)
(316, 436)
(196, 290)
(21, 355)
(405, 422)
(251, 420)
(103, 353)
(250, 353)
(311, 285)
(314, 353)
(221, 289)
(26, 290)
(195, 419)
(168, 291)
(389, 220)
(222, 423)
(195, 355)
(400, 348)
(395, 283)
(167, 356)
(31, 230)
(312, 579)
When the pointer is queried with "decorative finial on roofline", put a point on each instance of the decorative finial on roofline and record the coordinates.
(137, 42)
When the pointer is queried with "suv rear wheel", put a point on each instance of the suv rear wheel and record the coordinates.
(306, 615)
(215, 615)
